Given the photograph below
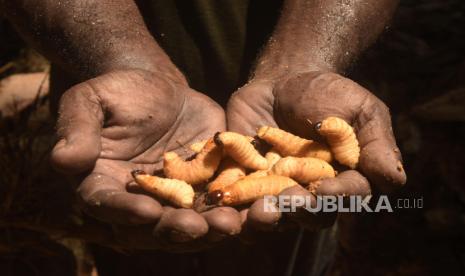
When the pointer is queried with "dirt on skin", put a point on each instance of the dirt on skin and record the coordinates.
(417, 68)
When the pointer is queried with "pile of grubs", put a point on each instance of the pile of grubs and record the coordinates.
(230, 171)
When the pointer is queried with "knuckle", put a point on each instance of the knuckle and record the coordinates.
(384, 109)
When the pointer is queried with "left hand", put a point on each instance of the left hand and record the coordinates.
(291, 103)
(122, 121)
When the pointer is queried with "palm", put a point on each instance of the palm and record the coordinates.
(295, 103)
(131, 118)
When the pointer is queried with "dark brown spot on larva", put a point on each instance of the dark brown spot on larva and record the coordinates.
(217, 139)
(214, 197)
(400, 167)
(135, 173)
(260, 145)
(254, 142)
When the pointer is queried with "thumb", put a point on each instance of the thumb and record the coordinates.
(380, 158)
(78, 128)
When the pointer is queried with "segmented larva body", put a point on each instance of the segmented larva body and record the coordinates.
(196, 171)
(230, 172)
(250, 138)
(342, 140)
(239, 148)
(198, 146)
(303, 169)
(250, 189)
(289, 144)
(177, 192)
(259, 173)
(272, 157)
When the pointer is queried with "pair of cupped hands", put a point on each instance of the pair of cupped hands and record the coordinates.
(125, 120)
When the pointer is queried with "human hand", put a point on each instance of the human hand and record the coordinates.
(293, 103)
(123, 121)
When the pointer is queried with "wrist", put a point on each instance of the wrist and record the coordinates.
(151, 59)
(275, 68)
(279, 73)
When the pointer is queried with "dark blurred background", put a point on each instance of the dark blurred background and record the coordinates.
(417, 67)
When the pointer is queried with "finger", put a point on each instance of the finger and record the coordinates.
(223, 222)
(261, 218)
(248, 234)
(302, 216)
(306, 99)
(205, 110)
(180, 226)
(78, 128)
(328, 94)
(380, 158)
(106, 199)
(250, 108)
(346, 183)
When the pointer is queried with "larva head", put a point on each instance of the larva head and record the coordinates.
(217, 139)
(214, 197)
(260, 145)
(136, 173)
(330, 124)
(141, 177)
(227, 138)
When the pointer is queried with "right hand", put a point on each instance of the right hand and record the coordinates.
(125, 120)
(289, 103)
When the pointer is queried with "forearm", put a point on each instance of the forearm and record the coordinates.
(89, 38)
(322, 35)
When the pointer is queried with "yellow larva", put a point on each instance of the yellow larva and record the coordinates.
(272, 157)
(198, 146)
(288, 144)
(178, 192)
(196, 171)
(341, 139)
(248, 189)
(304, 169)
(239, 148)
(230, 172)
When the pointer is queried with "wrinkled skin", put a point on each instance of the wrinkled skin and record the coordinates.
(125, 120)
(295, 103)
